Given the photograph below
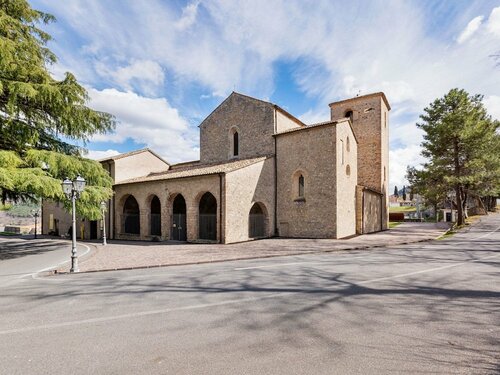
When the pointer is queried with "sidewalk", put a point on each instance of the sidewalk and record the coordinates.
(138, 254)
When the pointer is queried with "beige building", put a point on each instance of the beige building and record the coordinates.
(261, 173)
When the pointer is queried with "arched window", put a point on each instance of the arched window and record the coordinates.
(301, 186)
(350, 115)
(236, 145)
(348, 145)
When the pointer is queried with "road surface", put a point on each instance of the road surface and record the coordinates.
(423, 308)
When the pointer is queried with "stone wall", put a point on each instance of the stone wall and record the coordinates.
(244, 187)
(137, 165)
(252, 118)
(346, 180)
(284, 122)
(310, 152)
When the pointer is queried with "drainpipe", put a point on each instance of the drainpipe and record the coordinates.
(220, 209)
(275, 187)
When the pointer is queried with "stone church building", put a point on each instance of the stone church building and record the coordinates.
(261, 173)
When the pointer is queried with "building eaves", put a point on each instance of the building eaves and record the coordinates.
(307, 127)
(132, 153)
(201, 170)
(384, 98)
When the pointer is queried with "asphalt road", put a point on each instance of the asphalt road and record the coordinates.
(24, 256)
(426, 308)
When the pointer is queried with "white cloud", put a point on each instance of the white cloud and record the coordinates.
(494, 22)
(492, 104)
(149, 121)
(96, 154)
(338, 49)
(146, 73)
(470, 29)
(188, 16)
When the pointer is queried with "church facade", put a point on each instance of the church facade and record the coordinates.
(261, 173)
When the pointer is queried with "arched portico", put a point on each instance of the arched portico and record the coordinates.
(131, 216)
(207, 217)
(179, 219)
(257, 221)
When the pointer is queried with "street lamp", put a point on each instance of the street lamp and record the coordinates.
(36, 213)
(103, 210)
(72, 190)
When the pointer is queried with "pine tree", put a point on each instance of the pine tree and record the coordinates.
(37, 112)
(396, 192)
(404, 193)
(462, 148)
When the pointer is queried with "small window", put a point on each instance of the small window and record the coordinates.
(301, 186)
(236, 145)
(348, 170)
(350, 115)
(347, 145)
(385, 119)
(342, 152)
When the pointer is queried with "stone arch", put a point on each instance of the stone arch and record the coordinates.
(258, 221)
(131, 223)
(207, 217)
(179, 218)
(154, 205)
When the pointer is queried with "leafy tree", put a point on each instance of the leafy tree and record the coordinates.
(462, 148)
(40, 116)
(404, 193)
(396, 192)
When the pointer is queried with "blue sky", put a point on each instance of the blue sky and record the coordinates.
(161, 66)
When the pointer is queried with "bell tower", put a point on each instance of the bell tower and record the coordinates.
(369, 115)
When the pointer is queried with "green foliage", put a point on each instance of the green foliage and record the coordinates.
(23, 209)
(462, 148)
(36, 110)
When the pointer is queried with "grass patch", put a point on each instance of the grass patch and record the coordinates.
(447, 235)
(394, 224)
(9, 234)
(402, 209)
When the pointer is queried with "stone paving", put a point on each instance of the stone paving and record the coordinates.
(139, 254)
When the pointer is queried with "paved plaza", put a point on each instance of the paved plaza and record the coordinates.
(132, 254)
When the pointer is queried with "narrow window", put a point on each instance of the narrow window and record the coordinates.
(236, 145)
(349, 114)
(301, 186)
(342, 152)
(347, 145)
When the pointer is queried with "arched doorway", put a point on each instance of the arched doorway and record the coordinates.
(155, 217)
(179, 225)
(256, 222)
(131, 216)
(207, 217)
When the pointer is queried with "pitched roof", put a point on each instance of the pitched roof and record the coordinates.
(275, 106)
(198, 170)
(131, 153)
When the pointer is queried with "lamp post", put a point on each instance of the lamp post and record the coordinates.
(36, 213)
(103, 210)
(72, 190)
